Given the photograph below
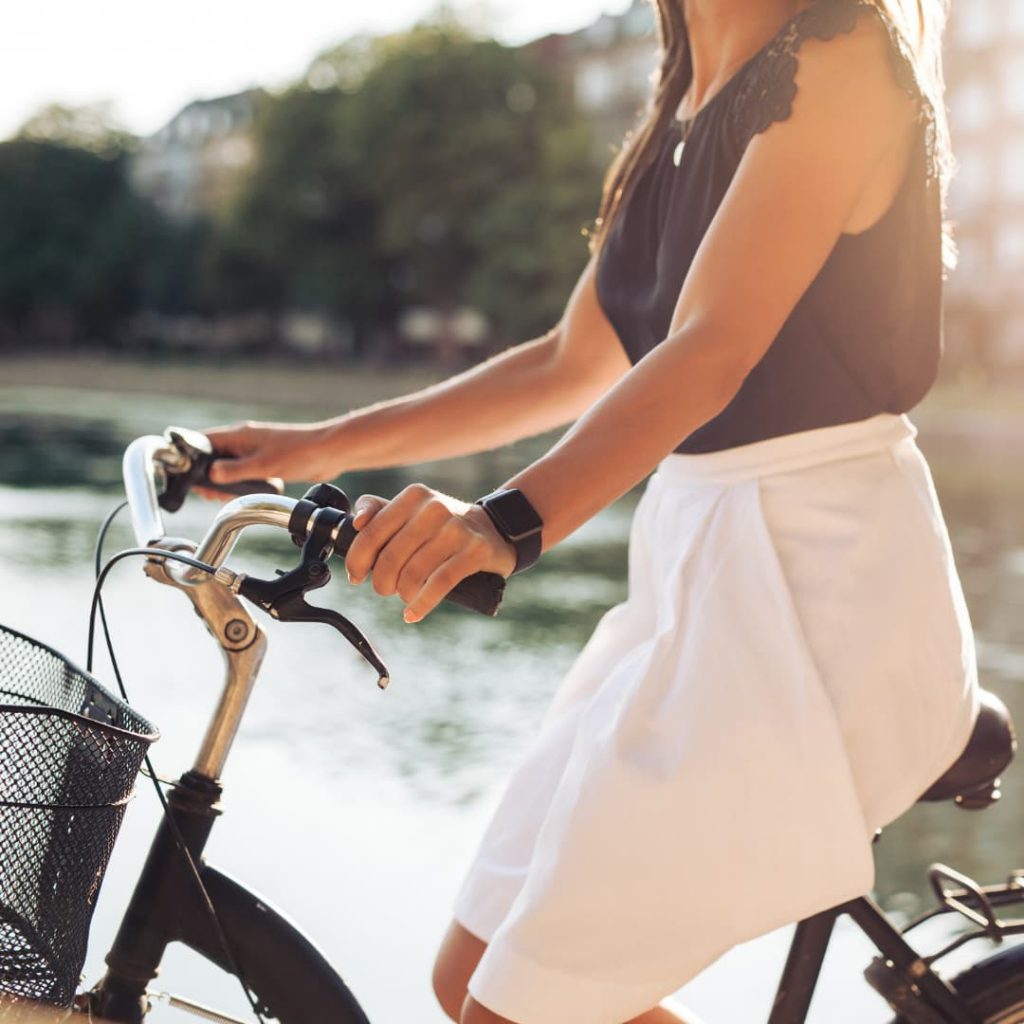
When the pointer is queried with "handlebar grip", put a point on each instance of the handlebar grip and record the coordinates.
(482, 592)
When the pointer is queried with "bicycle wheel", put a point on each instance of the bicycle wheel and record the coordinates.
(290, 979)
(993, 988)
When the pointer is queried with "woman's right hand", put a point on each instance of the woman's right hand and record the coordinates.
(256, 451)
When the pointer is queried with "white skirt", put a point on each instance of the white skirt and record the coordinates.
(793, 666)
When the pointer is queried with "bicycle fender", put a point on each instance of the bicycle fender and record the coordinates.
(291, 977)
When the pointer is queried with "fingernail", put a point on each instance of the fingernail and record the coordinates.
(353, 580)
(411, 616)
(360, 517)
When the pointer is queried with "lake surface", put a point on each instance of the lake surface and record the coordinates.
(357, 810)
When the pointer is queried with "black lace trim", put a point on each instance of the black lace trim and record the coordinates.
(767, 94)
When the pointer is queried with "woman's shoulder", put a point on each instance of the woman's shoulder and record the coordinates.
(855, 37)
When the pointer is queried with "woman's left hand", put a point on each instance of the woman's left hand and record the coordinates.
(421, 544)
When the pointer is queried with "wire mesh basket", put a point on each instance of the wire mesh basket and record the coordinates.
(69, 755)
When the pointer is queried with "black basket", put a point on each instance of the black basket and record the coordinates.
(69, 755)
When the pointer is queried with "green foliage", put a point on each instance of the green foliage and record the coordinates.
(91, 127)
(428, 168)
(299, 234)
(73, 237)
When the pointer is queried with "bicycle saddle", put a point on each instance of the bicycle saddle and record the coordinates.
(973, 779)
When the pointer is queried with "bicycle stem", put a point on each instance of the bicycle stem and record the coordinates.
(243, 645)
(241, 641)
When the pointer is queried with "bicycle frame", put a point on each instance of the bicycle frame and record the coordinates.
(167, 904)
(903, 977)
(906, 981)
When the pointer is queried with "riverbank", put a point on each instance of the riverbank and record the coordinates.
(306, 391)
(990, 415)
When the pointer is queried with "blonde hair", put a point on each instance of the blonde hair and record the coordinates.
(919, 26)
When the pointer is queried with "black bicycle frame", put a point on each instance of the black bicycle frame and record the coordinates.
(899, 974)
(168, 905)
(905, 980)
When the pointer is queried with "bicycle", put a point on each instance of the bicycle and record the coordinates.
(181, 898)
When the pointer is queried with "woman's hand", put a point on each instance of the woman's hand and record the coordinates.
(421, 544)
(255, 451)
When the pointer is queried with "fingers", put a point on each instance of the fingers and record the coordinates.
(211, 495)
(468, 544)
(427, 522)
(427, 557)
(229, 471)
(421, 545)
(443, 579)
(231, 440)
(234, 458)
(373, 548)
(365, 508)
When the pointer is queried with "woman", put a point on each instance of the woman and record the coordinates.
(794, 662)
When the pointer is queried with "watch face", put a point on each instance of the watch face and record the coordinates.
(513, 513)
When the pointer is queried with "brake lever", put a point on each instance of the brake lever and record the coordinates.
(293, 607)
(285, 597)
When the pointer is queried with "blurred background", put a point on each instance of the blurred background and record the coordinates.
(210, 213)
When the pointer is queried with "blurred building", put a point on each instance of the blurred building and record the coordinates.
(985, 90)
(195, 163)
(609, 64)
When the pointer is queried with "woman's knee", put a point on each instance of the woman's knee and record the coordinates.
(457, 958)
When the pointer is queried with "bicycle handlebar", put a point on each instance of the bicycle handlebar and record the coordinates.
(142, 473)
(145, 477)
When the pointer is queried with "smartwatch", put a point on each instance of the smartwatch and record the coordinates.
(517, 521)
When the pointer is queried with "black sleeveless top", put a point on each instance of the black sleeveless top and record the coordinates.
(865, 337)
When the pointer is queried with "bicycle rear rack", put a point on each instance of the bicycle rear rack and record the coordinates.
(977, 904)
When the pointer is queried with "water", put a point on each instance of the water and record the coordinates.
(358, 810)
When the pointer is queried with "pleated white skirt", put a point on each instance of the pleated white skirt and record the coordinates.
(793, 666)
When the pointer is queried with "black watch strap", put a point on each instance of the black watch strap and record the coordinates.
(517, 521)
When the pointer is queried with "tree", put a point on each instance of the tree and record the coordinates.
(91, 127)
(430, 168)
(74, 239)
(482, 176)
(300, 233)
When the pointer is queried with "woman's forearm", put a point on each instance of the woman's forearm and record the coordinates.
(682, 384)
(526, 390)
(521, 392)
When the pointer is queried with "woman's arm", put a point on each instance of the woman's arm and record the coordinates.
(794, 192)
(525, 390)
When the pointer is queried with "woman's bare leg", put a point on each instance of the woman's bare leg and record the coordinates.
(457, 958)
